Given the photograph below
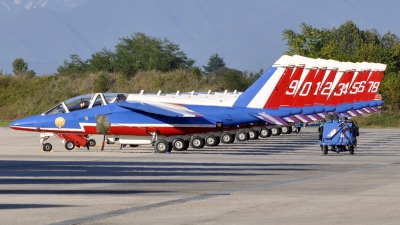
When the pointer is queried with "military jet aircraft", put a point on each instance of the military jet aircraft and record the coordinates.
(165, 124)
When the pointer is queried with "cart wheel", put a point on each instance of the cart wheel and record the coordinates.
(325, 149)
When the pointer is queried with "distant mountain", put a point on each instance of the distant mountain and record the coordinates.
(247, 34)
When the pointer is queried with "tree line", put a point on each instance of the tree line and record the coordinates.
(144, 62)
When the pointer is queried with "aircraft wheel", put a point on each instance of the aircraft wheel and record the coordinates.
(265, 132)
(351, 149)
(242, 136)
(275, 131)
(91, 142)
(197, 142)
(169, 147)
(325, 149)
(47, 147)
(227, 138)
(179, 144)
(161, 146)
(187, 145)
(286, 130)
(210, 140)
(218, 141)
(293, 128)
(69, 145)
(253, 134)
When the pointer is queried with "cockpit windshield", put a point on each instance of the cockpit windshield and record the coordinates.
(86, 101)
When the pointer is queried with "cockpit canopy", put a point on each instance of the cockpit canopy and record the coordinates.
(86, 101)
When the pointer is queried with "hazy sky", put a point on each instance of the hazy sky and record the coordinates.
(247, 34)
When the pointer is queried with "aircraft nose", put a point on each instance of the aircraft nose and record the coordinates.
(24, 123)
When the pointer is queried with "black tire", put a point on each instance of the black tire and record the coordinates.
(179, 144)
(276, 131)
(47, 147)
(91, 143)
(69, 145)
(254, 134)
(325, 149)
(351, 149)
(218, 141)
(210, 140)
(265, 132)
(197, 142)
(227, 138)
(133, 145)
(162, 146)
(287, 130)
(242, 136)
(169, 147)
(187, 145)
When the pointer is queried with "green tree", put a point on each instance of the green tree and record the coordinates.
(143, 53)
(214, 62)
(234, 80)
(196, 71)
(101, 83)
(76, 67)
(389, 89)
(20, 68)
(103, 61)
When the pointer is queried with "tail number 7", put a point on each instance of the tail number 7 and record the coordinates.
(373, 86)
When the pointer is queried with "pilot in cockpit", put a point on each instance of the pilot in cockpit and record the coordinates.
(84, 104)
(120, 98)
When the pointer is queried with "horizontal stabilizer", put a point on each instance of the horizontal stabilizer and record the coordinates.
(163, 109)
(276, 120)
(303, 118)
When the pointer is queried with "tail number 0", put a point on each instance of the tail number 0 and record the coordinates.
(304, 91)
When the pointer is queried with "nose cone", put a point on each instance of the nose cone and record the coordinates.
(28, 123)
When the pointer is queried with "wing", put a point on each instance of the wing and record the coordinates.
(165, 109)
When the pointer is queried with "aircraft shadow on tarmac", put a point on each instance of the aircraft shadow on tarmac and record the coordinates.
(86, 172)
(29, 206)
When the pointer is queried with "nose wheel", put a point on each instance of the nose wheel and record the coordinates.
(47, 147)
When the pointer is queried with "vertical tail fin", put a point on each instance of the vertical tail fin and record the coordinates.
(260, 91)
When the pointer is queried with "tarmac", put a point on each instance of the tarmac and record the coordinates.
(278, 180)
